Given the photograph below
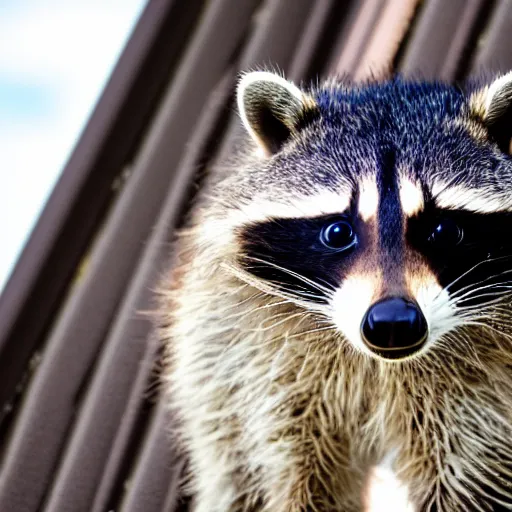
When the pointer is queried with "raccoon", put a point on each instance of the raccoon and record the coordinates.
(341, 299)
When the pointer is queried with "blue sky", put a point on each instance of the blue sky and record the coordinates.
(55, 56)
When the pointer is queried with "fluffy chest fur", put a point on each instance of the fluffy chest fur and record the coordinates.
(289, 408)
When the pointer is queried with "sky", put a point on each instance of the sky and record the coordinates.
(55, 57)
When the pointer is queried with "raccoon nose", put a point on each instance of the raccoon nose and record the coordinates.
(394, 328)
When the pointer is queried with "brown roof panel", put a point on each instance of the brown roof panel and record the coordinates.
(153, 485)
(353, 42)
(494, 51)
(384, 41)
(442, 34)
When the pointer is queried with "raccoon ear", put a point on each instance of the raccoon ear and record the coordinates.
(272, 108)
(498, 111)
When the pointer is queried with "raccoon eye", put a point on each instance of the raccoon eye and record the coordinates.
(446, 234)
(338, 235)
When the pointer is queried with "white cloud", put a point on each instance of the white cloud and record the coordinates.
(67, 49)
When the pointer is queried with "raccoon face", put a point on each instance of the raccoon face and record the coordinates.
(385, 208)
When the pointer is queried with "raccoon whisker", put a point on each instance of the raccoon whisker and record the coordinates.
(487, 309)
(497, 321)
(475, 286)
(240, 306)
(503, 326)
(252, 281)
(301, 291)
(490, 260)
(246, 311)
(319, 320)
(462, 356)
(489, 327)
(503, 284)
(328, 285)
(247, 300)
(270, 290)
(501, 314)
(501, 323)
(324, 319)
(496, 329)
(274, 372)
(298, 291)
(500, 288)
(497, 294)
(305, 315)
(312, 331)
(292, 273)
(285, 317)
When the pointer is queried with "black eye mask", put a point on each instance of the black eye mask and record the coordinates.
(319, 249)
(466, 250)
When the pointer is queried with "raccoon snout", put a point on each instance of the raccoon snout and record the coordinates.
(394, 328)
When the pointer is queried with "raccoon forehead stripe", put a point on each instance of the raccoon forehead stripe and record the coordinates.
(460, 197)
(411, 196)
(368, 198)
